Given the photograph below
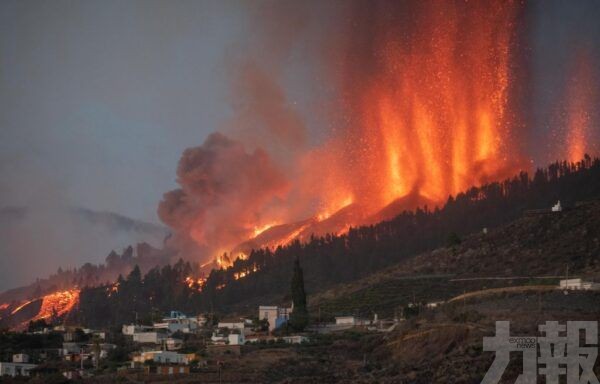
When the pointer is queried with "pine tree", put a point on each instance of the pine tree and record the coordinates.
(299, 315)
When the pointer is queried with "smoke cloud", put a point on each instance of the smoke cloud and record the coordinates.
(224, 192)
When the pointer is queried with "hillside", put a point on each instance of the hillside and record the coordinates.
(410, 248)
(333, 259)
(535, 249)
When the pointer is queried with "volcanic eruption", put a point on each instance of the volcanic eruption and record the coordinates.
(423, 107)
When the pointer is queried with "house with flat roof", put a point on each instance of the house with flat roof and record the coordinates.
(20, 366)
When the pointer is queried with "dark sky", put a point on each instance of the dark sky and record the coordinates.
(98, 99)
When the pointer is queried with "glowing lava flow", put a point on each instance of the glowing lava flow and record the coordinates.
(262, 228)
(21, 306)
(53, 305)
(58, 304)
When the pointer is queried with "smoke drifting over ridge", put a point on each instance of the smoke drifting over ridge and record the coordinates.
(425, 103)
(224, 191)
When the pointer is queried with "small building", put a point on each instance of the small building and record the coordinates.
(345, 320)
(15, 369)
(557, 207)
(154, 337)
(275, 316)
(71, 348)
(130, 329)
(236, 339)
(579, 284)
(217, 338)
(178, 321)
(20, 358)
(231, 324)
(95, 334)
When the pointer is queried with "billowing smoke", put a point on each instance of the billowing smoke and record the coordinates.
(224, 192)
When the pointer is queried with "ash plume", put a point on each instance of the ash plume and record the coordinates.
(224, 190)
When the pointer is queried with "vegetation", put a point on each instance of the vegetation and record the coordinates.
(299, 316)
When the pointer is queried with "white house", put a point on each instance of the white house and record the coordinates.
(557, 207)
(19, 367)
(177, 321)
(276, 316)
(236, 339)
(149, 337)
(20, 358)
(70, 348)
(219, 339)
(98, 334)
(231, 325)
(345, 320)
(579, 284)
(15, 369)
(130, 329)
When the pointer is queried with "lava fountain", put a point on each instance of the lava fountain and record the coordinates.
(426, 91)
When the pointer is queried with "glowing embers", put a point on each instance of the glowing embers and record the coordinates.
(113, 289)
(195, 283)
(245, 272)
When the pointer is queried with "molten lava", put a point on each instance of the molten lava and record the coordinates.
(53, 305)
(57, 304)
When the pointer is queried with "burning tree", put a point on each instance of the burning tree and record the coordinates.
(299, 315)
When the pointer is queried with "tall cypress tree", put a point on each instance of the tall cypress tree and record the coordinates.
(299, 316)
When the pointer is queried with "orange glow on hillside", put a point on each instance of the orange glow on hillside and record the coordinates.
(57, 304)
(195, 283)
(260, 229)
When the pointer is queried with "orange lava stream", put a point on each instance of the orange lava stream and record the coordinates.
(58, 304)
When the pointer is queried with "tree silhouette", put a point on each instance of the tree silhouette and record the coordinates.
(299, 315)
